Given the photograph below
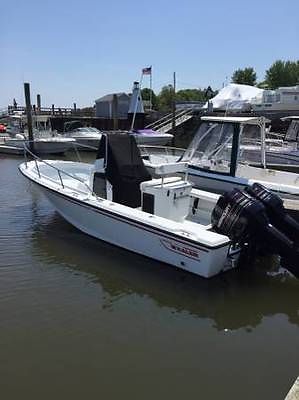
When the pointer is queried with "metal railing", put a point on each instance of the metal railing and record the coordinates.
(166, 150)
(167, 119)
(60, 172)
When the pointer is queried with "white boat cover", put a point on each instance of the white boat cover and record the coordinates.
(235, 97)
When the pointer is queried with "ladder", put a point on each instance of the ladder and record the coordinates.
(164, 124)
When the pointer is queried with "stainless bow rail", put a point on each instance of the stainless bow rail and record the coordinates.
(60, 172)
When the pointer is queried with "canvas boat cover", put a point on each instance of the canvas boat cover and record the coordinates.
(236, 97)
(124, 167)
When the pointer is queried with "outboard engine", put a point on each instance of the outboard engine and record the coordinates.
(233, 216)
(245, 221)
(275, 211)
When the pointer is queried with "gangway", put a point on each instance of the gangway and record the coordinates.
(164, 124)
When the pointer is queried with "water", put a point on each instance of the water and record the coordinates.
(83, 319)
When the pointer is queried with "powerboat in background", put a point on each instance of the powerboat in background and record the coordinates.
(87, 137)
(218, 161)
(151, 137)
(46, 141)
(281, 150)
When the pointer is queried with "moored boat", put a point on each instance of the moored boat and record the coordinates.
(217, 159)
(46, 141)
(117, 201)
(88, 138)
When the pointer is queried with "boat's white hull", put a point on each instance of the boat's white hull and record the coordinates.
(222, 183)
(42, 146)
(52, 147)
(11, 150)
(150, 243)
(140, 236)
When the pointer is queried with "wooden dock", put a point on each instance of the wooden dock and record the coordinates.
(54, 111)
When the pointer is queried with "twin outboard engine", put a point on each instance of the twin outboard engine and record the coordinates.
(255, 218)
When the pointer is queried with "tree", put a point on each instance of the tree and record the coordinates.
(146, 95)
(190, 95)
(165, 98)
(246, 76)
(282, 73)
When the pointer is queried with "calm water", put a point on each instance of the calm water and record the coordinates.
(82, 319)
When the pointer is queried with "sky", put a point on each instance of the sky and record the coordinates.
(78, 51)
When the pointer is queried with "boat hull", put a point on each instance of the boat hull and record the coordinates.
(42, 146)
(139, 236)
(150, 243)
(217, 183)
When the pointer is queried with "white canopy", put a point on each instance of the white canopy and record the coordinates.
(235, 97)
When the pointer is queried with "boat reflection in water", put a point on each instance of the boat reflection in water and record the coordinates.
(237, 299)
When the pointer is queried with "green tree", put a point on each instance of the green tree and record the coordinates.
(146, 95)
(165, 98)
(282, 73)
(195, 94)
(190, 95)
(246, 76)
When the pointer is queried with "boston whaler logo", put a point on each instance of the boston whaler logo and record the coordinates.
(179, 248)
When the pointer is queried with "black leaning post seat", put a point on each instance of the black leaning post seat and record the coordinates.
(124, 167)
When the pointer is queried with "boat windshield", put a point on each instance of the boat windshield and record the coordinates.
(292, 134)
(211, 147)
(250, 148)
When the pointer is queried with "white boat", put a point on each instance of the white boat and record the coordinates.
(279, 100)
(151, 137)
(46, 141)
(281, 150)
(218, 161)
(116, 200)
(49, 145)
(87, 137)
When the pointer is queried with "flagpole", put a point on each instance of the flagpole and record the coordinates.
(151, 88)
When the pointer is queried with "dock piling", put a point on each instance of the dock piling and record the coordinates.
(115, 112)
(38, 102)
(29, 115)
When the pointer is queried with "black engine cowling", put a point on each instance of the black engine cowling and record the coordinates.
(275, 211)
(261, 223)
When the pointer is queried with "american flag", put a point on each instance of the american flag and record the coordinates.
(147, 71)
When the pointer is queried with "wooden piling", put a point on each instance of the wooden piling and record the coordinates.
(75, 108)
(38, 102)
(53, 109)
(115, 112)
(29, 115)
